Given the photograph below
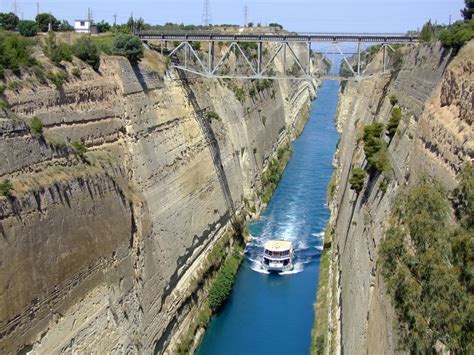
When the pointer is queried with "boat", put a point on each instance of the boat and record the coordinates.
(278, 255)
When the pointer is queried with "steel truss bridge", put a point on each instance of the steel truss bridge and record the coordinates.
(258, 65)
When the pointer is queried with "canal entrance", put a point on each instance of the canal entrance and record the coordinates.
(273, 314)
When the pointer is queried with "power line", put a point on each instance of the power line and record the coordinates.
(206, 13)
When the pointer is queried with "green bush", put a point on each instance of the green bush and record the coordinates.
(43, 20)
(28, 28)
(375, 148)
(211, 115)
(357, 179)
(57, 78)
(76, 72)
(2, 89)
(65, 26)
(128, 46)
(8, 21)
(394, 121)
(36, 127)
(222, 285)
(6, 188)
(57, 51)
(426, 261)
(103, 26)
(3, 105)
(86, 50)
(456, 35)
(15, 52)
(393, 100)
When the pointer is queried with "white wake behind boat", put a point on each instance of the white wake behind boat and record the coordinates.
(278, 255)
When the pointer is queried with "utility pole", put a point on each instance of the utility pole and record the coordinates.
(15, 7)
(450, 19)
(246, 15)
(37, 8)
(115, 19)
(89, 19)
(206, 14)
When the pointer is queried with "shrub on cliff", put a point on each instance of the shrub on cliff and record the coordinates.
(28, 28)
(357, 179)
(6, 188)
(394, 121)
(15, 52)
(375, 148)
(128, 46)
(86, 50)
(36, 127)
(57, 51)
(426, 261)
(456, 35)
(393, 100)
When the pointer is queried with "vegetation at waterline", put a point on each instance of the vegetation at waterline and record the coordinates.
(427, 261)
(272, 175)
(216, 261)
(319, 340)
(222, 285)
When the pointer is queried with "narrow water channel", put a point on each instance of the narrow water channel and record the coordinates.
(273, 314)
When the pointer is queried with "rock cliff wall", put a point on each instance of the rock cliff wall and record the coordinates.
(98, 249)
(435, 138)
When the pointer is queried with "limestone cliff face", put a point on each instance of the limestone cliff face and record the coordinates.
(435, 138)
(97, 254)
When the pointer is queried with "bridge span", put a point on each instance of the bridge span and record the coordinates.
(259, 52)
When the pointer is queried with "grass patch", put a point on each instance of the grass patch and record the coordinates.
(36, 127)
(211, 115)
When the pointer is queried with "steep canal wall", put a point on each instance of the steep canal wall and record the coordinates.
(116, 203)
(434, 139)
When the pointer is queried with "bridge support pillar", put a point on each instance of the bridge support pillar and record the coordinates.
(309, 59)
(384, 56)
(358, 59)
(210, 56)
(259, 59)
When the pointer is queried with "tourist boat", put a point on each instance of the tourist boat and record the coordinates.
(278, 255)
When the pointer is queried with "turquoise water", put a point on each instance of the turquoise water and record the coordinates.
(271, 313)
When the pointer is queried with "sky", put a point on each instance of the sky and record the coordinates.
(295, 15)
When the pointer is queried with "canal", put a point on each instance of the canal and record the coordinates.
(273, 314)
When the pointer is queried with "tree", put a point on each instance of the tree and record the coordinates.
(66, 26)
(103, 26)
(8, 21)
(43, 20)
(277, 25)
(357, 179)
(426, 34)
(128, 46)
(468, 10)
(86, 50)
(140, 25)
(28, 28)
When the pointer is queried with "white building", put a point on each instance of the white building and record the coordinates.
(82, 26)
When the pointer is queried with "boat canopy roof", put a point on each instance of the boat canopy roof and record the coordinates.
(277, 245)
